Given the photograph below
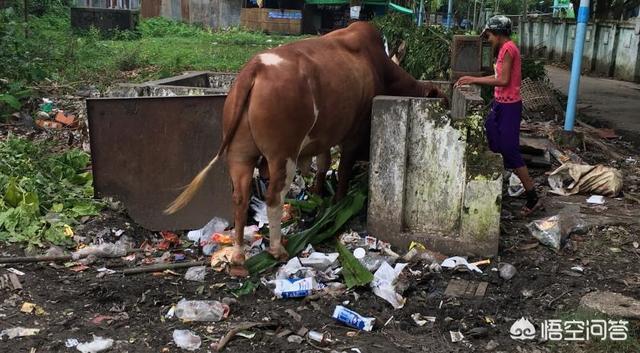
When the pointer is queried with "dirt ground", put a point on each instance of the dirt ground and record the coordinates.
(545, 287)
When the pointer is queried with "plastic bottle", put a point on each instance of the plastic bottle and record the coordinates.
(372, 261)
(201, 310)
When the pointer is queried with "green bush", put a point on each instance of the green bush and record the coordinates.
(163, 27)
(428, 54)
(42, 192)
(533, 69)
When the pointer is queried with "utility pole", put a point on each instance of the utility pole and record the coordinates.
(474, 24)
(576, 65)
(420, 11)
(450, 14)
(26, 18)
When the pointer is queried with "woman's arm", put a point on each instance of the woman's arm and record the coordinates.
(501, 81)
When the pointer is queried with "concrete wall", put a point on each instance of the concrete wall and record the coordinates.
(215, 14)
(611, 47)
(431, 179)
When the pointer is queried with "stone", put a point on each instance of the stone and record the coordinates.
(610, 303)
(491, 346)
(295, 339)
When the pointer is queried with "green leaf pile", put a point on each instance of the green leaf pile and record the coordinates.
(326, 226)
(41, 191)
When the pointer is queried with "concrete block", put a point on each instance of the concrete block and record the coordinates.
(480, 216)
(435, 170)
(432, 177)
(388, 164)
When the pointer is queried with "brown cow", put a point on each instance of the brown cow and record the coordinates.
(297, 101)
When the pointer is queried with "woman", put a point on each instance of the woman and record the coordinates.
(503, 123)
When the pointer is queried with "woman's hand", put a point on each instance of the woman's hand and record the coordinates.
(465, 80)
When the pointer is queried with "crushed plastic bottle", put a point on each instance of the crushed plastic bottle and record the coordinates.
(373, 261)
(201, 310)
(203, 235)
(102, 250)
(186, 339)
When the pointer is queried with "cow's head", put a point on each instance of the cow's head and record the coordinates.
(432, 91)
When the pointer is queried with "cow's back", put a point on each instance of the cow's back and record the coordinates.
(323, 86)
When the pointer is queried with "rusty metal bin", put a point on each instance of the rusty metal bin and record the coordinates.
(151, 139)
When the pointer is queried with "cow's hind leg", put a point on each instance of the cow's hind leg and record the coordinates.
(323, 161)
(241, 175)
(281, 172)
(345, 169)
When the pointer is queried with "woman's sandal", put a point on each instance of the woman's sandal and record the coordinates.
(526, 211)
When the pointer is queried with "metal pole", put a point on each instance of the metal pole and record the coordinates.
(576, 65)
(450, 14)
(420, 11)
(474, 24)
(26, 18)
(481, 14)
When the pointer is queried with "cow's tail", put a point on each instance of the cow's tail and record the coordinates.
(244, 84)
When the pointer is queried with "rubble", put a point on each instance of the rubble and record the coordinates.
(611, 303)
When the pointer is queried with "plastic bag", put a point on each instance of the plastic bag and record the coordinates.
(573, 178)
(515, 188)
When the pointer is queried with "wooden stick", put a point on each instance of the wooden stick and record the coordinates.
(629, 196)
(162, 267)
(45, 258)
(241, 327)
(608, 149)
(15, 260)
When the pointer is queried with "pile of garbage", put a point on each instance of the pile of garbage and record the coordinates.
(51, 117)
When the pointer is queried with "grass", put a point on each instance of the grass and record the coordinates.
(158, 48)
(43, 195)
(163, 48)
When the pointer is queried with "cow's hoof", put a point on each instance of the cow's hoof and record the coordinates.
(238, 271)
(279, 253)
(237, 258)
